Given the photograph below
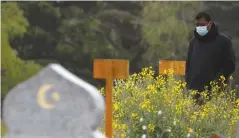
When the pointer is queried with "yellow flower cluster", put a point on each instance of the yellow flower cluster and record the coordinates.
(163, 105)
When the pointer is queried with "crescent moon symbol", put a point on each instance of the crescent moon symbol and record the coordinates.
(41, 96)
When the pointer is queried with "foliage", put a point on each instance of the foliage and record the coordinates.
(162, 24)
(69, 32)
(13, 21)
(42, 35)
(74, 31)
(14, 70)
(160, 107)
(3, 129)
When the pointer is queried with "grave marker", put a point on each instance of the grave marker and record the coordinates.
(53, 104)
(177, 66)
(215, 136)
(110, 69)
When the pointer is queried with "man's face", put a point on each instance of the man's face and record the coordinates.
(203, 22)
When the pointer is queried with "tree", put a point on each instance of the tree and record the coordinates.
(76, 31)
(16, 70)
(166, 28)
(41, 38)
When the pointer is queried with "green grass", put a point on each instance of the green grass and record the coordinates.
(3, 129)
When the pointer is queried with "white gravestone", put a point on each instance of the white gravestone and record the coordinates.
(53, 104)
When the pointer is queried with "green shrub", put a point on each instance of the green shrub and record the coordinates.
(159, 107)
(15, 69)
(3, 129)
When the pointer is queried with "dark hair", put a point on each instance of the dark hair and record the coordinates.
(204, 15)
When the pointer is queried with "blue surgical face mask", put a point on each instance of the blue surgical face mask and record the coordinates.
(202, 30)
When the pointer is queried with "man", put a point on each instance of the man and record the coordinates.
(210, 55)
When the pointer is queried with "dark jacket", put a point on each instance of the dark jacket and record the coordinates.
(209, 57)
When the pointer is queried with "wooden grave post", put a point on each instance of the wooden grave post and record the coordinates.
(214, 136)
(217, 135)
(110, 69)
(177, 66)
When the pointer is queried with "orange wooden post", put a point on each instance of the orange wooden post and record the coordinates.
(215, 135)
(165, 65)
(110, 69)
(177, 66)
